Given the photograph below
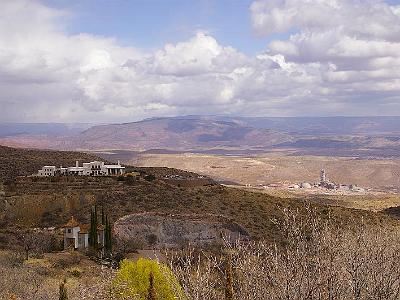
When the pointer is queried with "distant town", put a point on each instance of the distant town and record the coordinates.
(323, 185)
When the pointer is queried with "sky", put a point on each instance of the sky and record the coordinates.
(126, 60)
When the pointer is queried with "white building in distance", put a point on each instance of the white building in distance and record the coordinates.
(47, 171)
(94, 168)
(322, 177)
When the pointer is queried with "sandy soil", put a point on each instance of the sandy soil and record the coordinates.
(276, 168)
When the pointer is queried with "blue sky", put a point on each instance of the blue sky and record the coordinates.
(149, 24)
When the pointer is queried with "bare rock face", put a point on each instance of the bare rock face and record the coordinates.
(156, 230)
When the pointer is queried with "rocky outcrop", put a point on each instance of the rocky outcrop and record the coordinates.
(157, 230)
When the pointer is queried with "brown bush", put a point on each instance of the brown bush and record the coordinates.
(316, 260)
(67, 261)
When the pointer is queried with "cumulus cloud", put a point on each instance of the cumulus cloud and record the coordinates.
(363, 19)
(355, 44)
(341, 57)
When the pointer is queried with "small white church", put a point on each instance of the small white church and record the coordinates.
(94, 168)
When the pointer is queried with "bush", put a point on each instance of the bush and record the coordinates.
(152, 239)
(318, 259)
(128, 245)
(119, 257)
(133, 280)
(150, 177)
(76, 272)
(67, 261)
(129, 179)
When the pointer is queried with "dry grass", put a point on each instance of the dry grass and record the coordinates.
(55, 202)
(374, 201)
(39, 278)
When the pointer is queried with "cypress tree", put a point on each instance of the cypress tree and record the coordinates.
(95, 214)
(103, 220)
(109, 232)
(151, 292)
(229, 279)
(62, 295)
(107, 235)
(106, 242)
(95, 224)
(93, 229)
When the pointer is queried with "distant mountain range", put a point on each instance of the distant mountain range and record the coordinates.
(15, 129)
(201, 133)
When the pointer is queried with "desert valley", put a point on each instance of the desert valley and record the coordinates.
(200, 150)
(198, 191)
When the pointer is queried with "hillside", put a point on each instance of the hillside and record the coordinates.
(52, 201)
(176, 134)
(21, 162)
(317, 126)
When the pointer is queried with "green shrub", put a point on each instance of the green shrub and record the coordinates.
(133, 280)
(150, 177)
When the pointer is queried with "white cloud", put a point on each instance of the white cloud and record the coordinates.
(363, 19)
(342, 54)
(355, 44)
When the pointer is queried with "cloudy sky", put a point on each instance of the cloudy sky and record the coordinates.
(119, 61)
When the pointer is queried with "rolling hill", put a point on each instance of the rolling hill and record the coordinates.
(22, 162)
(335, 136)
(52, 201)
(176, 134)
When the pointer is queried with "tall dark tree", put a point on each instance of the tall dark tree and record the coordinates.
(62, 295)
(109, 232)
(93, 237)
(91, 229)
(96, 214)
(151, 292)
(103, 220)
(107, 235)
(229, 278)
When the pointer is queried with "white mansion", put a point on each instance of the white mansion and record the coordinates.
(94, 168)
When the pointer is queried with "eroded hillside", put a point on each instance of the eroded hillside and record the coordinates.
(50, 202)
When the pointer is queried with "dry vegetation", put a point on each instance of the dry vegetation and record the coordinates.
(376, 201)
(39, 278)
(318, 260)
(300, 250)
(53, 202)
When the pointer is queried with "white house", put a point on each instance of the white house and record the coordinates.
(94, 168)
(71, 234)
(76, 235)
(47, 171)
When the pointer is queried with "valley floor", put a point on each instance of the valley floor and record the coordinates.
(277, 168)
